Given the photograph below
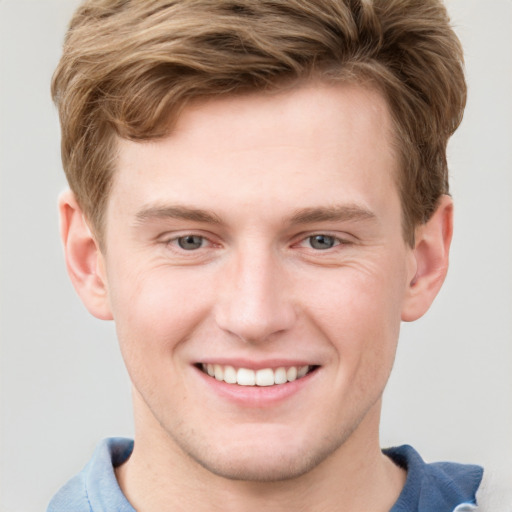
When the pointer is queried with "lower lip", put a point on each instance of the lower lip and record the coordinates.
(256, 396)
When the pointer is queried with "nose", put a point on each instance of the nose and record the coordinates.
(255, 302)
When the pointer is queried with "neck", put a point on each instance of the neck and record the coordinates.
(160, 477)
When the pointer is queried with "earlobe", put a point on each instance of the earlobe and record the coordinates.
(84, 260)
(431, 253)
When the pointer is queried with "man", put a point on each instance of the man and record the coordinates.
(259, 197)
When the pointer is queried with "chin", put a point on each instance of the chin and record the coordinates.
(275, 468)
(264, 461)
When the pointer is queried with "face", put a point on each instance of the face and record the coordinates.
(256, 271)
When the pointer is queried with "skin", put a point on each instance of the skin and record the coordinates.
(255, 177)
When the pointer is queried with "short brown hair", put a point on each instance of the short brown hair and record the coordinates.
(130, 66)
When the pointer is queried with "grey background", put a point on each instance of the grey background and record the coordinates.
(63, 385)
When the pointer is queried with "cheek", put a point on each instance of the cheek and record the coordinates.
(154, 317)
(358, 310)
(155, 311)
(362, 296)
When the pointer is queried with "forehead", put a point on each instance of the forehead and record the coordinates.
(262, 147)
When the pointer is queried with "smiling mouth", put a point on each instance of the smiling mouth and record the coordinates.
(263, 377)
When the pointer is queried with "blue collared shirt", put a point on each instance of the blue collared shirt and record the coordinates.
(438, 487)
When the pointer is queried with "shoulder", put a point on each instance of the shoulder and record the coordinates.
(96, 483)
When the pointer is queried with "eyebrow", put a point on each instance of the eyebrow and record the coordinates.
(340, 213)
(177, 212)
(332, 213)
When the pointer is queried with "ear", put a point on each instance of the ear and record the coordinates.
(431, 254)
(84, 260)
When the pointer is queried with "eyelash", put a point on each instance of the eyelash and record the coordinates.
(175, 242)
(335, 240)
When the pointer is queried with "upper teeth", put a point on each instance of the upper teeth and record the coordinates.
(263, 377)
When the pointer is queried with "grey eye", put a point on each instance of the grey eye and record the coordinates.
(322, 242)
(190, 242)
